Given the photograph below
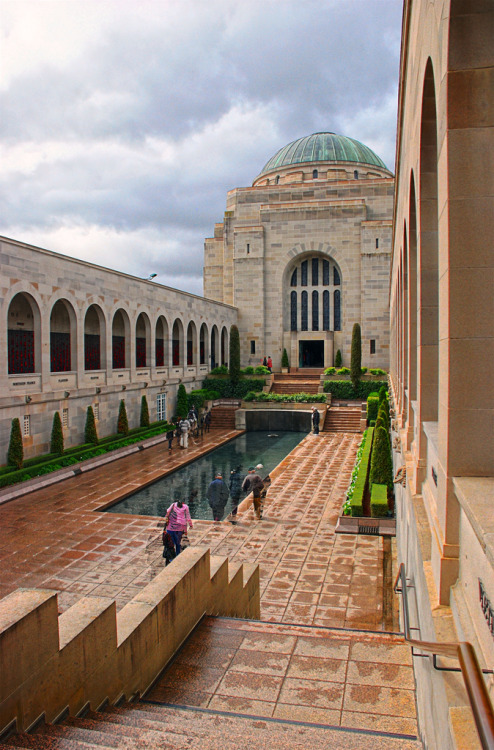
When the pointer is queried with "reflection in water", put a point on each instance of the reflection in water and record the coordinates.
(190, 483)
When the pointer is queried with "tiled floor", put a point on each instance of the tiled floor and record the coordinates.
(338, 678)
(55, 538)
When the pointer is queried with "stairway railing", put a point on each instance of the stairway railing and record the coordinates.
(478, 695)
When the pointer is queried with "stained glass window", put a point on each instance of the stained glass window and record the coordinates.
(315, 271)
(92, 358)
(59, 351)
(293, 281)
(315, 311)
(293, 311)
(337, 317)
(21, 351)
(303, 272)
(305, 313)
(325, 272)
(160, 352)
(140, 351)
(118, 345)
(336, 276)
(175, 352)
(325, 311)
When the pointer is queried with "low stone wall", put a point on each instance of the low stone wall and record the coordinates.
(274, 416)
(51, 664)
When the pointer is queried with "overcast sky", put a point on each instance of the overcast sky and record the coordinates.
(124, 123)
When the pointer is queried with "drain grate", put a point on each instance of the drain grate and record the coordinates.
(369, 530)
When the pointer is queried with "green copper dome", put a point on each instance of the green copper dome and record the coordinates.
(323, 147)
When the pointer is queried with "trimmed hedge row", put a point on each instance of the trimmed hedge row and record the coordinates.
(379, 501)
(345, 390)
(357, 500)
(77, 454)
(227, 389)
(287, 398)
(372, 406)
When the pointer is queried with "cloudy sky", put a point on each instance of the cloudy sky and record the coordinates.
(124, 122)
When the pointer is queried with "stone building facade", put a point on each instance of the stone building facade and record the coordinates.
(442, 342)
(75, 334)
(305, 253)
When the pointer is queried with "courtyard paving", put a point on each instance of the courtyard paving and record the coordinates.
(56, 538)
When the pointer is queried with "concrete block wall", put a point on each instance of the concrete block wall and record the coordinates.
(92, 653)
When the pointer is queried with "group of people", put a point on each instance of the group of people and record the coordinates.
(192, 424)
(178, 519)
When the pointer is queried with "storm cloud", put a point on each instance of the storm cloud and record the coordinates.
(124, 124)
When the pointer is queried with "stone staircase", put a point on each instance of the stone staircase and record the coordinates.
(223, 417)
(240, 684)
(342, 419)
(306, 381)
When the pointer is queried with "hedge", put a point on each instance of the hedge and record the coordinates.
(372, 406)
(227, 389)
(345, 390)
(381, 471)
(287, 398)
(379, 501)
(76, 455)
(360, 483)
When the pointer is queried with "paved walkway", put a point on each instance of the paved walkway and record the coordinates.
(54, 538)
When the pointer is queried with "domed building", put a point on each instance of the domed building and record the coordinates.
(305, 253)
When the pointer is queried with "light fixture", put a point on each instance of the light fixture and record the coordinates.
(66, 394)
(98, 389)
(27, 399)
(151, 276)
(124, 388)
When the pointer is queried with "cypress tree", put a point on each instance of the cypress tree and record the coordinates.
(182, 402)
(144, 412)
(381, 468)
(284, 359)
(15, 453)
(382, 394)
(56, 445)
(90, 432)
(123, 422)
(356, 358)
(382, 418)
(234, 354)
(338, 359)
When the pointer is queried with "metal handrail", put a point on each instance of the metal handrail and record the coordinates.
(478, 695)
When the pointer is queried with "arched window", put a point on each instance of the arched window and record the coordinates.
(303, 272)
(325, 311)
(120, 331)
(336, 277)
(92, 338)
(60, 338)
(293, 311)
(305, 313)
(315, 174)
(337, 315)
(315, 311)
(293, 281)
(23, 341)
(355, 174)
(277, 181)
(315, 271)
(325, 273)
(141, 358)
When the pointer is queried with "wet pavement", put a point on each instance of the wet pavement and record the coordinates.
(55, 537)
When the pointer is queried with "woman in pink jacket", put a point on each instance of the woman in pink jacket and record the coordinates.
(176, 520)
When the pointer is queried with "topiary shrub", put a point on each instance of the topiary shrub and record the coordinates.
(90, 432)
(363, 370)
(343, 371)
(261, 370)
(382, 418)
(15, 453)
(381, 470)
(338, 360)
(372, 406)
(248, 370)
(383, 394)
(377, 371)
(344, 389)
(123, 422)
(284, 359)
(220, 370)
(182, 408)
(56, 443)
(330, 371)
(144, 421)
(379, 501)
(234, 354)
(356, 356)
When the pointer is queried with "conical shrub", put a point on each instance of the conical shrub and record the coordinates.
(90, 432)
(381, 469)
(15, 453)
(182, 402)
(56, 444)
(123, 422)
(144, 412)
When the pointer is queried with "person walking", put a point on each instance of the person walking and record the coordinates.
(315, 418)
(236, 480)
(184, 427)
(207, 420)
(270, 364)
(176, 520)
(253, 483)
(217, 496)
(169, 436)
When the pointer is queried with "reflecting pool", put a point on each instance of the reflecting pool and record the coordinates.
(190, 482)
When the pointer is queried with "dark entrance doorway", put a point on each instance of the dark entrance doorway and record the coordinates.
(311, 353)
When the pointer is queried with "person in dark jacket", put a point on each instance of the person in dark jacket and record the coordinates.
(169, 436)
(236, 480)
(253, 483)
(217, 495)
(315, 420)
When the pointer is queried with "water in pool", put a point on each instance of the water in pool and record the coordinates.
(246, 450)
